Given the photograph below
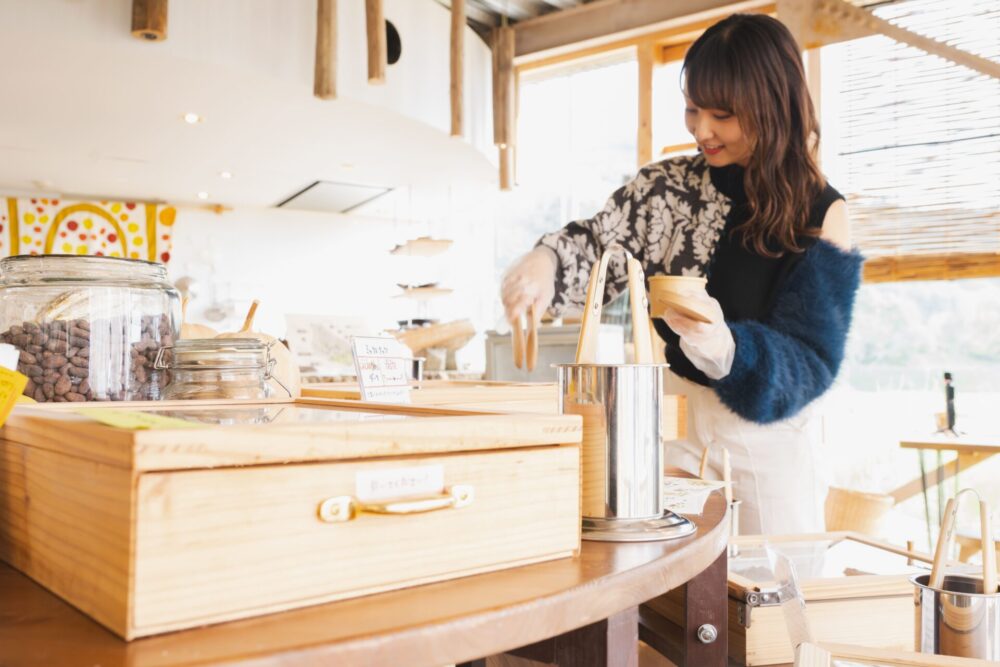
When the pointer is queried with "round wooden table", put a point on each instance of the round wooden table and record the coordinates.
(574, 611)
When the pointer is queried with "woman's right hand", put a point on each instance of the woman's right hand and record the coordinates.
(530, 281)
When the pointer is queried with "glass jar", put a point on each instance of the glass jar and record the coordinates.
(88, 328)
(236, 368)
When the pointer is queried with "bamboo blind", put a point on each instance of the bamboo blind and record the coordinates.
(921, 145)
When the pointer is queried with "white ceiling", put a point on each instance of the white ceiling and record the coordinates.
(87, 109)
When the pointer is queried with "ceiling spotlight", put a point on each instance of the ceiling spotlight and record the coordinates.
(202, 195)
(191, 118)
(225, 174)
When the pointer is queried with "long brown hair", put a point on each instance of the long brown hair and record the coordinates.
(749, 65)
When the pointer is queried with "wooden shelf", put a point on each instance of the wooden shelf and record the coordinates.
(424, 293)
(423, 246)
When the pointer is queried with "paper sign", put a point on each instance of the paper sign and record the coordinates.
(382, 365)
(12, 384)
(135, 420)
(687, 496)
(377, 485)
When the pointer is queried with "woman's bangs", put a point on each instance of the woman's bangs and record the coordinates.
(710, 82)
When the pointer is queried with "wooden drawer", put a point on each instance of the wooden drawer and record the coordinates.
(203, 536)
(167, 542)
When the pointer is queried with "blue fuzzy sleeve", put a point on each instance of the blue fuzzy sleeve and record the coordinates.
(792, 357)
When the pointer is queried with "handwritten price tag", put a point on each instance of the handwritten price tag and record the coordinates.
(382, 368)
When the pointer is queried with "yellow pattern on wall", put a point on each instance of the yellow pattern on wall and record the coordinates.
(103, 228)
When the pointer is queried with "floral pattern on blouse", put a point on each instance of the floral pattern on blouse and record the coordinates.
(670, 217)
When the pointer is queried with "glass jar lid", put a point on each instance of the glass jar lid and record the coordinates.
(35, 269)
(216, 354)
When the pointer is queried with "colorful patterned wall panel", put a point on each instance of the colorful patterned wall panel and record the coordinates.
(104, 228)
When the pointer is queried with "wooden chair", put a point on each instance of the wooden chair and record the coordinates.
(860, 511)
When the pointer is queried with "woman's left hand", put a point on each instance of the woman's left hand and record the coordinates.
(709, 346)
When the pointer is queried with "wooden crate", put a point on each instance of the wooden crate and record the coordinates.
(863, 597)
(162, 529)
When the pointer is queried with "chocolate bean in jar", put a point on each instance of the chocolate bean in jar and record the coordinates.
(88, 328)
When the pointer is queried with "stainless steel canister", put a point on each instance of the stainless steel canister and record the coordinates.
(622, 457)
(958, 619)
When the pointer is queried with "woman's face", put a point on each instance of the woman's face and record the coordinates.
(718, 134)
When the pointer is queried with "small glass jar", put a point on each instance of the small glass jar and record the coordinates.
(201, 368)
(88, 328)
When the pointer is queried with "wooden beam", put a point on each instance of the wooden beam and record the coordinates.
(149, 20)
(644, 141)
(603, 21)
(325, 74)
(375, 26)
(677, 148)
(820, 22)
(952, 266)
(457, 55)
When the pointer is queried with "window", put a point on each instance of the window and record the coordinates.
(576, 145)
(913, 142)
(670, 134)
(913, 139)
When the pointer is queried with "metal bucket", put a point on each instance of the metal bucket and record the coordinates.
(958, 619)
(622, 456)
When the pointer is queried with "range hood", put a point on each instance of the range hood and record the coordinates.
(333, 197)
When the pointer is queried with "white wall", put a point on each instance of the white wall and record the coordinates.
(327, 264)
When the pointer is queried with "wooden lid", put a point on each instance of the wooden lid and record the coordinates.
(232, 433)
(830, 566)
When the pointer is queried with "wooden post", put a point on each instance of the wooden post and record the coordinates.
(506, 167)
(325, 75)
(503, 86)
(457, 53)
(504, 101)
(644, 55)
(149, 20)
(375, 24)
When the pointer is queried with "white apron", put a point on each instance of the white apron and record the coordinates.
(775, 468)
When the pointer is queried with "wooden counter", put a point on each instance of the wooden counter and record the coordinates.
(577, 611)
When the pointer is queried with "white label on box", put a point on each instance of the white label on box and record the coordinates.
(377, 485)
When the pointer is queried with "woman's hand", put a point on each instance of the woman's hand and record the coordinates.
(710, 347)
(529, 281)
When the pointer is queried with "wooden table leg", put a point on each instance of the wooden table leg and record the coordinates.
(706, 613)
(613, 642)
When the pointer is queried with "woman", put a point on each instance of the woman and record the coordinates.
(751, 212)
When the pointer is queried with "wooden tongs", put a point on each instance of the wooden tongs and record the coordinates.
(586, 348)
(525, 344)
(947, 537)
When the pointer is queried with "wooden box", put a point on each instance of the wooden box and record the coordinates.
(857, 591)
(242, 513)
